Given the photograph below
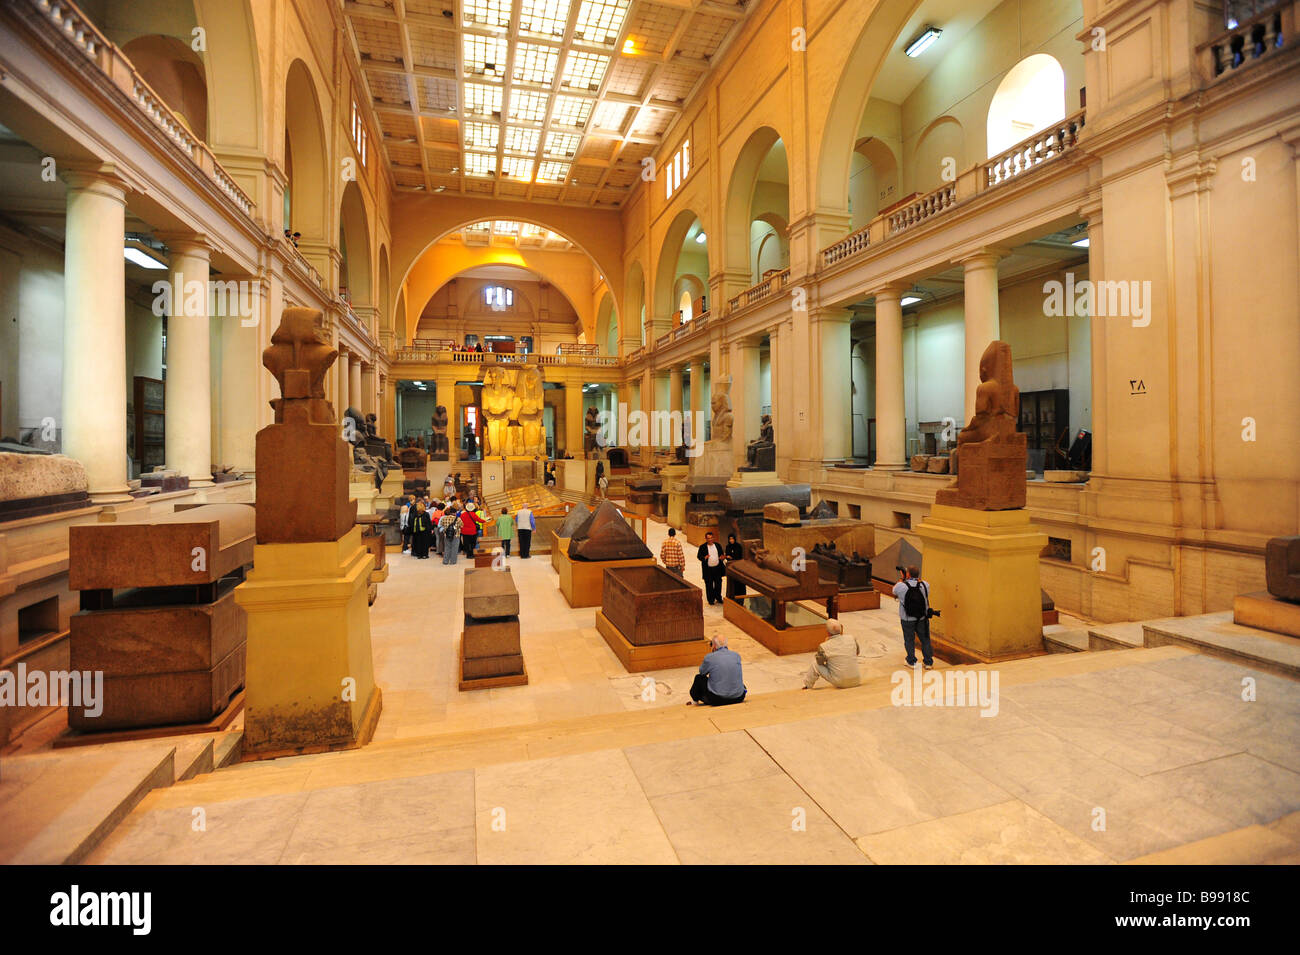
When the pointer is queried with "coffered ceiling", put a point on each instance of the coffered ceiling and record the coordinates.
(543, 100)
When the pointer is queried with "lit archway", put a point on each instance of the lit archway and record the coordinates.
(1029, 99)
(940, 153)
(681, 253)
(354, 244)
(305, 138)
(634, 304)
(873, 181)
(759, 186)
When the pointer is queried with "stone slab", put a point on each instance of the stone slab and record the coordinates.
(490, 593)
(1265, 612)
(491, 638)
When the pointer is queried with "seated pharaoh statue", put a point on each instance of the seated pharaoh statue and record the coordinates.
(760, 454)
(991, 456)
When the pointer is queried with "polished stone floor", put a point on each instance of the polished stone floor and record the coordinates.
(1115, 756)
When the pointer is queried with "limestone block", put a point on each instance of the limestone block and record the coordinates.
(490, 593)
(491, 638)
(1282, 567)
(920, 462)
(781, 512)
(39, 475)
(937, 465)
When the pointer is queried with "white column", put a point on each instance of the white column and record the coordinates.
(833, 331)
(891, 425)
(745, 405)
(698, 412)
(341, 384)
(368, 390)
(188, 422)
(675, 399)
(94, 332)
(982, 322)
(354, 386)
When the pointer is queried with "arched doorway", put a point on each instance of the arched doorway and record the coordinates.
(1029, 99)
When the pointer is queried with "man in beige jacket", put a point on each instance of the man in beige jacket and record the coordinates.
(836, 661)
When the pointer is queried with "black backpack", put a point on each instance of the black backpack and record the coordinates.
(915, 604)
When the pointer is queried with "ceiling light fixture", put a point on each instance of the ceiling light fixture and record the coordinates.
(141, 255)
(909, 300)
(1081, 243)
(701, 238)
(922, 42)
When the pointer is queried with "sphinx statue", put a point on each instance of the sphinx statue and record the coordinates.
(991, 455)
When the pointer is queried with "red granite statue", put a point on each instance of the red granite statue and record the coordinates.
(303, 463)
(991, 456)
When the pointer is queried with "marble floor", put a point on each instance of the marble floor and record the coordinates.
(1145, 755)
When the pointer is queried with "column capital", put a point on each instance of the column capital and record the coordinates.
(829, 315)
(890, 291)
(193, 244)
(985, 257)
(101, 178)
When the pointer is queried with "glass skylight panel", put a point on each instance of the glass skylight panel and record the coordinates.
(521, 140)
(485, 55)
(562, 144)
(584, 71)
(527, 106)
(517, 167)
(482, 136)
(480, 227)
(600, 20)
(571, 111)
(477, 164)
(492, 13)
(553, 172)
(535, 64)
(543, 17)
(611, 116)
(531, 231)
(503, 227)
(482, 100)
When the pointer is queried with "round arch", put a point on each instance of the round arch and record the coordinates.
(305, 142)
(607, 324)
(634, 303)
(1029, 99)
(176, 73)
(873, 180)
(876, 37)
(526, 274)
(385, 315)
(399, 318)
(943, 142)
(233, 73)
(354, 242)
(738, 213)
(663, 303)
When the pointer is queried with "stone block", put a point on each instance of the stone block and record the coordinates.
(781, 512)
(920, 462)
(937, 465)
(491, 638)
(483, 667)
(490, 593)
(1282, 567)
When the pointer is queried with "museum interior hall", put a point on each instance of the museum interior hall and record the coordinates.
(650, 431)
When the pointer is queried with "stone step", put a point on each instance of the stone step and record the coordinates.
(1216, 635)
(461, 749)
(1116, 636)
(227, 749)
(58, 805)
(1061, 639)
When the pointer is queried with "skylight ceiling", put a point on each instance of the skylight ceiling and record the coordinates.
(542, 100)
(501, 232)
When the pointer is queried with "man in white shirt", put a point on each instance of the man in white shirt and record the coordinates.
(710, 557)
(836, 661)
(525, 524)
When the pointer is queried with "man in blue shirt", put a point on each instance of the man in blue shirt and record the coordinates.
(719, 682)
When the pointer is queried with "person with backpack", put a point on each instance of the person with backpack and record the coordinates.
(435, 515)
(450, 524)
(404, 521)
(913, 595)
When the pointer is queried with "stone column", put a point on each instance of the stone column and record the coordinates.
(341, 383)
(368, 389)
(836, 370)
(699, 413)
(675, 401)
(188, 422)
(355, 395)
(891, 423)
(573, 429)
(94, 332)
(982, 322)
(445, 395)
(745, 406)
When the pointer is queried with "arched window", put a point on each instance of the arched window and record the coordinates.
(685, 305)
(498, 297)
(1030, 98)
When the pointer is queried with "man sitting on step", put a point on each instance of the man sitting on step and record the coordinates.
(719, 682)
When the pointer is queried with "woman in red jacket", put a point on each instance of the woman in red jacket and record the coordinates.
(470, 522)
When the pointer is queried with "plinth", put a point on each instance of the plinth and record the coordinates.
(982, 568)
(311, 685)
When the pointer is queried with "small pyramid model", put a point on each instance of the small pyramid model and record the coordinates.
(607, 536)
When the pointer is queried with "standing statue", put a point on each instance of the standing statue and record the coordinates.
(591, 428)
(991, 455)
(720, 401)
(439, 446)
(498, 403)
(531, 403)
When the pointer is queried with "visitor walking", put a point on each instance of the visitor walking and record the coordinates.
(435, 516)
(710, 557)
(720, 681)
(913, 595)
(505, 529)
(421, 533)
(734, 551)
(525, 524)
(836, 660)
(671, 554)
(470, 522)
(404, 521)
(450, 535)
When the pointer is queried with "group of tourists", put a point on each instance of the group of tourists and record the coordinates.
(453, 527)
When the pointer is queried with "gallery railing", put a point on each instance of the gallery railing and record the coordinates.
(1248, 43)
(1020, 160)
(77, 31)
(445, 356)
(300, 262)
(764, 289)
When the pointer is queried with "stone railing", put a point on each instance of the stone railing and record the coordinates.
(300, 261)
(1249, 42)
(445, 356)
(847, 247)
(637, 354)
(1055, 140)
(665, 339)
(687, 329)
(756, 293)
(116, 68)
(919, 210)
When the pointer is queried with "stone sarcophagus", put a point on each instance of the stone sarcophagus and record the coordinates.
(649, 605)
(159, 617)
(652, 619)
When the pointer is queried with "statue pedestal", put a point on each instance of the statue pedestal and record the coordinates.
(716, 460)
(390, 491)
(310, 681)
(743, 478)
(674, 485)
(362, 490)
(982, 568)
